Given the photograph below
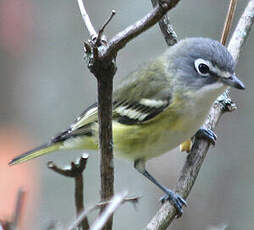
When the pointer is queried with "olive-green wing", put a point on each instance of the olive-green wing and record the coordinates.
(139, 98)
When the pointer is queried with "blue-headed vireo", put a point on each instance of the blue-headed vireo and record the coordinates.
(156, 107)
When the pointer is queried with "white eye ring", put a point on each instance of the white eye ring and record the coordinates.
(202, 66)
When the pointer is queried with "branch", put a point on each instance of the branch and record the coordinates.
(18, 210)
(17, 214)
(115, 202)
(132, 200)
(75, 171)
(242, 31)
(166, 28)
(101, 31)
(132, 31)
(86, 19)
(189, 173)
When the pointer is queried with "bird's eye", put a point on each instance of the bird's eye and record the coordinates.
(202, 67)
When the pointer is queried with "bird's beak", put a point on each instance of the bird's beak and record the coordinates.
(233, 81)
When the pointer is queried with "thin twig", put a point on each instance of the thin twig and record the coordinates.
(133, 200)
(228, 21)
(75, 171)
(86, 19)
(115, 202)
(99, 37)
(166, 28)
(189, 173)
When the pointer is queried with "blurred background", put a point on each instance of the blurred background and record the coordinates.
(45, 85)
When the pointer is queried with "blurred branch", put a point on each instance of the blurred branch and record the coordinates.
(132, 200)
(19, 206)
(228, 21)
(17, 215)
(75, 171)
(166, 28)
(190, 170)
(114, 203)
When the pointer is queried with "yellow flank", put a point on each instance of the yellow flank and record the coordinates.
(186, 146)
(134, 141)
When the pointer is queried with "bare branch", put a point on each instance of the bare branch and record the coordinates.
(166, 28)
(132, 31)
(75, 171)
(86, 19)
(133, 200)
(18, 210)
(228, 21)
(189, 173)
(242, 31)
(99, 37)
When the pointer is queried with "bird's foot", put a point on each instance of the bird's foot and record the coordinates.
(176, 200)
(207, 134)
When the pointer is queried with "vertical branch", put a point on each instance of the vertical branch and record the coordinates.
(105, 87)
(18, 210)
(104, 71)
(79, 200)
(75, 171)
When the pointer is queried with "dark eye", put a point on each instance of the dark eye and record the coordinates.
(202, 67)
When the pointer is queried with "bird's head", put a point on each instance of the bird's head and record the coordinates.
(201, 62)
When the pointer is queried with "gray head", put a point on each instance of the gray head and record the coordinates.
(203, 61)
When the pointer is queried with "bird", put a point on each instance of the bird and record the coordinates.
(156, 107)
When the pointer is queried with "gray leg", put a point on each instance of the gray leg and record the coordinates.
(170, 195)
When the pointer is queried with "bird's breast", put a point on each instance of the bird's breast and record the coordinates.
(180, 121)
(156, 137)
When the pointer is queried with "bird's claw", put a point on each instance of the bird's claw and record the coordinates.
(207, 134)
(176, 200)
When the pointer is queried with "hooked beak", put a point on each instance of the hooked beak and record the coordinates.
(233, 81)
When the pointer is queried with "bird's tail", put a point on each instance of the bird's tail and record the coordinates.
(41, 150)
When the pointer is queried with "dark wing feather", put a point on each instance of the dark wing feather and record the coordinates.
(81, 125)
(137, 113)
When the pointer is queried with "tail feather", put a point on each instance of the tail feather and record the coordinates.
(41, 150)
